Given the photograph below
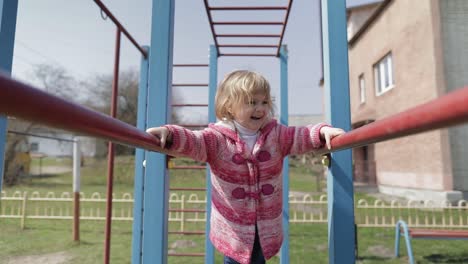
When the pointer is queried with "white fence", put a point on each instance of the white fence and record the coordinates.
(189, 208)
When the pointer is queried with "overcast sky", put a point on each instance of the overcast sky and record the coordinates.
(73, 34)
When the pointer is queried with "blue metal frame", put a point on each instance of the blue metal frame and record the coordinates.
(209, 249)
(401, 224)
(284, 120)
(8, 13)
(156, 182)
(341, 227)
(139, 158)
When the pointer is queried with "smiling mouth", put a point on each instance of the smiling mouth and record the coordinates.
(256, 118)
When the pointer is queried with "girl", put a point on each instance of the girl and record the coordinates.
(245, 151)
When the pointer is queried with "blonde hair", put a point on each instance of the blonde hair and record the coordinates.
(237, 88)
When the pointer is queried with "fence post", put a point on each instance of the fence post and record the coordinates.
(76, 188)
(182, 214)
(23, 210)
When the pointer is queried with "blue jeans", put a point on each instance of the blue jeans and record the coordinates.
(257, 254)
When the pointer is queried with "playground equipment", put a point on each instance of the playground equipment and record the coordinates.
(150, 240)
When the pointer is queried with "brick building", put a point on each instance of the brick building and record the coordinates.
(403, 53)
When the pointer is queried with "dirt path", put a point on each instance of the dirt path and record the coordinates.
(51, 258)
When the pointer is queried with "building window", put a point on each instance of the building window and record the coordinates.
(34, 147)
(383, 73)
(362, 89)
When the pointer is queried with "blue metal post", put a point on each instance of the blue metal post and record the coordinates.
(156, 185)
(8, 12)
(209, 250)
(341, 229)
(139, 158)
(284, 116)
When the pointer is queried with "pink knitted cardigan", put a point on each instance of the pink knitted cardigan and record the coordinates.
(246, 187)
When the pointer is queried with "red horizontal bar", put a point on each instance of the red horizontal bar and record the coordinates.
(190, 65)
(182, 105)
(246, 46)
(437, 233)
(448, 110)
(247, 55)
(231, 23)
(247, 35)
(237, 8)
(31, 104)
(189, 84)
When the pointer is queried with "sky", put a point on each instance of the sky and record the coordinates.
(73, 34)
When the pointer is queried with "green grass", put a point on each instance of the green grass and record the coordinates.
(308, 242)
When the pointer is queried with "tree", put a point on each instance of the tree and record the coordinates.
(100, 87)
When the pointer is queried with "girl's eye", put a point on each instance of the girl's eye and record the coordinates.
(252, 103)
(265, 102)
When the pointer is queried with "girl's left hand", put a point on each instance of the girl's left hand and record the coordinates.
(328, 133)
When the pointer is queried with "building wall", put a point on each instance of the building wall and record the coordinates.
(454, 21)
(406, 29)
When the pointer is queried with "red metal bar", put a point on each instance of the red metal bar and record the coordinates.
(247, 46)
(250, 8)
(119, 25)
(284, 28)
(247, 35)
(29, 103)
(448, 110)
(235, 23)
(247, 55)
(189, 105)
(210, 20)
(110, 153)
(190, 65)
(189, 84)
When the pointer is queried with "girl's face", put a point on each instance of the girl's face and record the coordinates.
(253, 114)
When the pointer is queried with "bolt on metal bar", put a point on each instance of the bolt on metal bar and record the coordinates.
(119, 25)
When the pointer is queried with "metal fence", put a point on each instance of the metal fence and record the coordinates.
(188, 208)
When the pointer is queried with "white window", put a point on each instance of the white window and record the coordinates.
(362, 89)
(383, 73)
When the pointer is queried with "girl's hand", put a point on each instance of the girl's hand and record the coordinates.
(162, 133)
(328, 133)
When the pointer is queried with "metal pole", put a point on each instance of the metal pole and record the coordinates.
(284, 117)
(76, 188)
(137, 233)
(110, 154)
(341, 228)
(8, 12)
(209, 249)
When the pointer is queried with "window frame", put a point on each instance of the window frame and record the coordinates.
(362, 89)
(384, 68)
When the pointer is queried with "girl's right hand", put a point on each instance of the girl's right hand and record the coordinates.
(162, 133)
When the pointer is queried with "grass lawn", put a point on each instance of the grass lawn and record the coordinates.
(308, 242)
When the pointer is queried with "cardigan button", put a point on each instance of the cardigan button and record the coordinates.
(238, 193)
(267, 189)
(263, 156)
